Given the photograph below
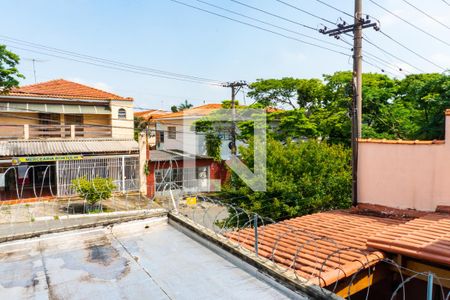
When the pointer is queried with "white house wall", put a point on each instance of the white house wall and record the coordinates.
(122, 128)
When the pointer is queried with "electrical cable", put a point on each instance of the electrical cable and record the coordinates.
(412, 51)
(424, 13)
(274, 15)
(106, 61)
(112, 67)
(259, 27)
(271, 24)
(335, 8)
(394, 56)
(306, 12)
(410, 23)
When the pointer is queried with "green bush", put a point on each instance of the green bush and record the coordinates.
(302, 178)
(94, 190)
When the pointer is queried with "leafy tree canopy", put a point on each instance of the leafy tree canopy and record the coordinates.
(302, 178)
(9, 74)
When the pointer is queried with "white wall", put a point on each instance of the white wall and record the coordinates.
(122, 128)
(187, 140)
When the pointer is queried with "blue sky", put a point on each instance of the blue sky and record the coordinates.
(167, 36)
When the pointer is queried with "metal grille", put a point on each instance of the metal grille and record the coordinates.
(123, 170)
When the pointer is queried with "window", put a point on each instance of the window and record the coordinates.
(161, 136)
(122, 113)
(172, 132)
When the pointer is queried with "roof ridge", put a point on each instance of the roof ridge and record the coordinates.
(74, 93)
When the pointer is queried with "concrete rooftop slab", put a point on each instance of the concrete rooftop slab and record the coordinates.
(137, 260)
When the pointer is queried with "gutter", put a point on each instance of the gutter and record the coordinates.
(57, 99)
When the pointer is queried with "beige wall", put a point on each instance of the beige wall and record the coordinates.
(402, 175)
(122, 128)
(19, 119)
(9, 131)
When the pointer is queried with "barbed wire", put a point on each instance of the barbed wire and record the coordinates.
(295, 252)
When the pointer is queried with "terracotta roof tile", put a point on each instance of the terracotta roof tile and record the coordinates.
(323, 247)
(150, 114)
(198, 111)
(64, 89)
(203, 110)
(427, 238)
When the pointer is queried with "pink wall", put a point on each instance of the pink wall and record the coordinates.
(405, 174)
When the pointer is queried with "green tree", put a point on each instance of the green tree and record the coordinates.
(185, 105)
(287, 92)
(302, 178)
(9, 74)
(140, 124)
(426, 96)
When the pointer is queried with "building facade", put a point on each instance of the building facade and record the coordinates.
(178, 159)
(56, 131)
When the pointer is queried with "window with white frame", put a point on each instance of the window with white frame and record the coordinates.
(122, 113)
(172, 132)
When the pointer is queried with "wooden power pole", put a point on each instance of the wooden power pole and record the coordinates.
(359, 23)
(235, 88)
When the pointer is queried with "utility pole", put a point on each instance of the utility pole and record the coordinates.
(235, 86)
(359, 23)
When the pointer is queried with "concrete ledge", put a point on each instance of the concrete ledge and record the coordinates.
(286, 281)
(106, 220)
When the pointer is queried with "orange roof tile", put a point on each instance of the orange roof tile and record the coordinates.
(198, 111)
(403, 142)
(323, 247)
(150, 114)
(426, 238)
(64, 89)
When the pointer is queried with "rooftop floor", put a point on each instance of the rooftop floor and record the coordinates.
(138, 260)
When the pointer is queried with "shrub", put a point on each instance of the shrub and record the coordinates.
(94, 190)
(302, 178)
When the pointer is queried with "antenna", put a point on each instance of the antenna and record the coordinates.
(34, 61)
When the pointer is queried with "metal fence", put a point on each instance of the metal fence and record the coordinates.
(123, 170)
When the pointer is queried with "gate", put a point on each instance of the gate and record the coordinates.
(122, 169)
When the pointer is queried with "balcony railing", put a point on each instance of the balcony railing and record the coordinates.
(28, 131)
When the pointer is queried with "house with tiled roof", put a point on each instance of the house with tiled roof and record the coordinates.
(178, 159)
(55, 131)
(393, 244)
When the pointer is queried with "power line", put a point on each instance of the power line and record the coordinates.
(335, 8)
(426, 14)
(445, 1)
(409, 23)
(259, 27)
(294, 22)
(377, 58)
(274, 15)
(107, 61)
(375, 66)
(271, 24)
(410, 50)
(306, 12)
(112, 67)
(392, 55)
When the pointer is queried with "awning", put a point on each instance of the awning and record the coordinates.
(55, 108)
(45, 147)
